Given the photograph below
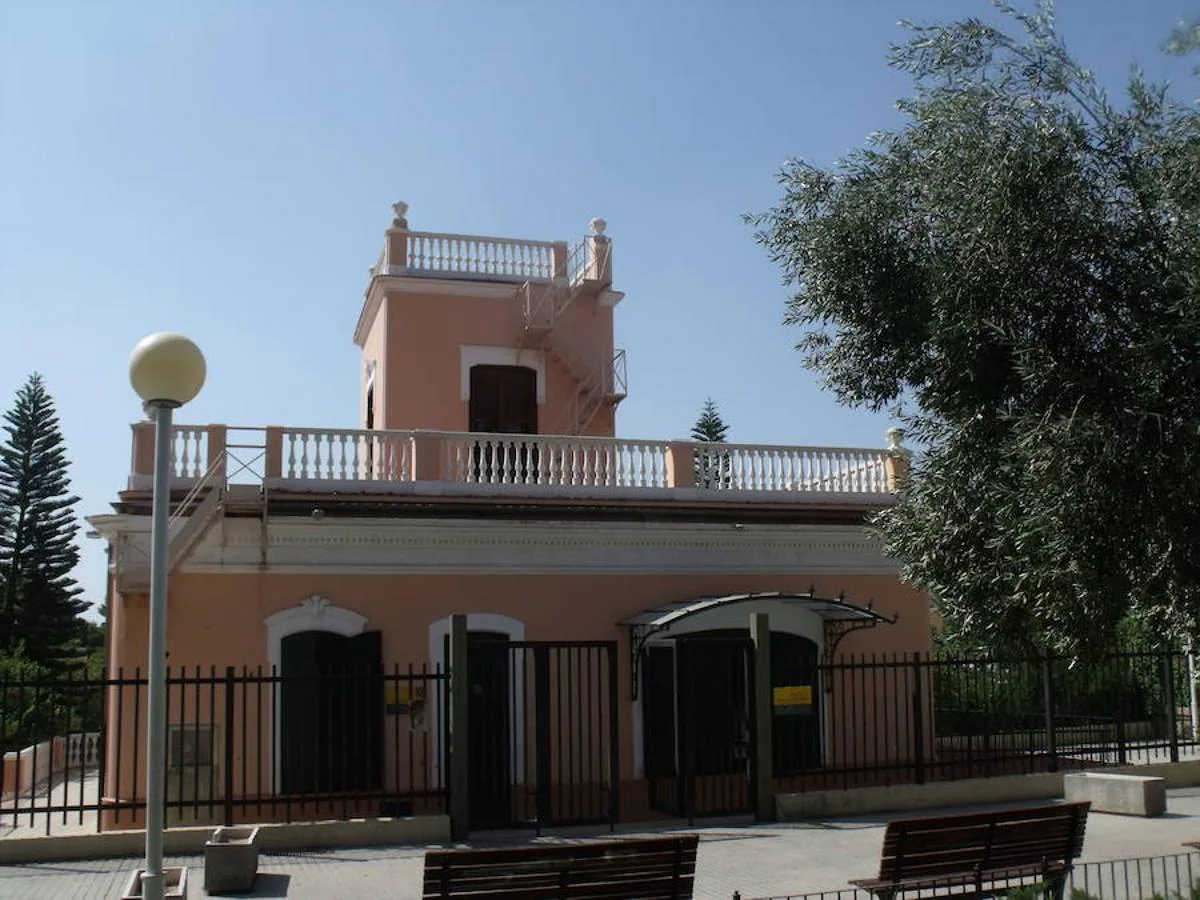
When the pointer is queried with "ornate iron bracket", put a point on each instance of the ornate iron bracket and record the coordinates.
(837, 629)
(638, 636)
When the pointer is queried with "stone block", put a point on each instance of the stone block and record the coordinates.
(231, 860)
(1109, 792)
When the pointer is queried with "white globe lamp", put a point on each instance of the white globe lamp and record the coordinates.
(166, 370)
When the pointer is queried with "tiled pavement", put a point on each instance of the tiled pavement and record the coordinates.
(756, 860)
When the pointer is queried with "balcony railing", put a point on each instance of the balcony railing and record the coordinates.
(435, 254)
(350, 460)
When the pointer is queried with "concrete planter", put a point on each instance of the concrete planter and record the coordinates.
(231, 860)
(174, 884)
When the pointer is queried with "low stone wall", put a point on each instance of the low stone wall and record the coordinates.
(970, 791)
(1035, 738)
(189, 841)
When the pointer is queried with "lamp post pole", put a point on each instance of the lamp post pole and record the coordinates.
(156, 701)
(166, 370)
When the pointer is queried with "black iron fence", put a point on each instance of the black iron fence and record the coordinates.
(543, 732)
(698, 725)
(545, 745)
(916, 718)
(241, 746)
(1173, 877)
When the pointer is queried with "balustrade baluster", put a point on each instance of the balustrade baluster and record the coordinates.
(508, 474)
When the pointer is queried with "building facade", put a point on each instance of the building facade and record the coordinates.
(607, 582)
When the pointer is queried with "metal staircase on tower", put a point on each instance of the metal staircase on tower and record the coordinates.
(543, 303)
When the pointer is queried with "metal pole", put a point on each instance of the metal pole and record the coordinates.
(1191, 662)
(460, 720)
(156, 712)
(763, 764)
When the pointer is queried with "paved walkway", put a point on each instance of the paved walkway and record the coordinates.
(756, 860)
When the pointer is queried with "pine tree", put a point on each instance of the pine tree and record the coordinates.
(710, 428)
(39, 603)
(712, 466)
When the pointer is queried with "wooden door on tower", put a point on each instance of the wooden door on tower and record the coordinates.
(504, 401)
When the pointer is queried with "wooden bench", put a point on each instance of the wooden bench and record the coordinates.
(661, 868)
(984, 854)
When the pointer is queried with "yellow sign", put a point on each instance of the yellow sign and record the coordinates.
(793, 695)
(400, 697)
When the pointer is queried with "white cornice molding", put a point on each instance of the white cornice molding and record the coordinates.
(610, 298)
(433, 546)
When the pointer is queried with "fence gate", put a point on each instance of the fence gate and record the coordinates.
(542, 732)
(699, 735)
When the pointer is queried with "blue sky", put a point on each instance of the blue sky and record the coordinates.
(225, 168)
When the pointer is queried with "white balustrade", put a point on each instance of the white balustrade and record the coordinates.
(189, 451)
(331, 454)
(83, 750)
(480, 256)
(749, 467)
(555, 461)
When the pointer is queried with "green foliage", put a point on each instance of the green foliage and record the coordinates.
(1016, 274)
(39, 600)
(712, 466)
(37, 703)
(1192, 894)
(710, 428)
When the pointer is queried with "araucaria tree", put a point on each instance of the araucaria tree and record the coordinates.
(710, 428)
(1016, 273)
(39, 601)
(712, 466)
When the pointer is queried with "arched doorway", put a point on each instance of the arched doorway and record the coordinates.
(330, 712)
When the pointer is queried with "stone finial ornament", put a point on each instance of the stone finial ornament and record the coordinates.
(597, 225)
(895, 439)
(400, 213)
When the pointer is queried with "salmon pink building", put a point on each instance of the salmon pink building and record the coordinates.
(607, 583)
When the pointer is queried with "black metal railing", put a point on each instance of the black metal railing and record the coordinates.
(543, 732)
(242, 745)
(700, 738)
(1174, 876)
(911, 719)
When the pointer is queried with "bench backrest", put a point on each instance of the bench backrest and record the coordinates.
(651, 868)
(946, 846)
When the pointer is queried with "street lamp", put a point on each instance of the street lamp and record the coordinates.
(167, 370)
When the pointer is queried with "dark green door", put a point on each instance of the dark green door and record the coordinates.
(795, 729)
(331, 713)
(489, 731)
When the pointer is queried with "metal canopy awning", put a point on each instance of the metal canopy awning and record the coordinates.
(840, 618)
